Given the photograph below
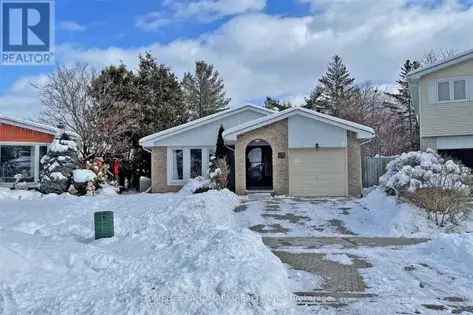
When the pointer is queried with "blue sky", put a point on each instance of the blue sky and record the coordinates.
(261, 47)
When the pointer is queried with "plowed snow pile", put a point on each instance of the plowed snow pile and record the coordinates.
(171, 254)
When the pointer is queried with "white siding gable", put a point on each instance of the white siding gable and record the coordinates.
(306, 133)
(206, 135)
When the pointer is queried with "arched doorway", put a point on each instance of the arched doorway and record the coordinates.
(259, 166)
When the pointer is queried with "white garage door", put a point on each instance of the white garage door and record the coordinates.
(320, 172)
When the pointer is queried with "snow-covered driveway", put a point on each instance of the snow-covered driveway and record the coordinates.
(363, 256)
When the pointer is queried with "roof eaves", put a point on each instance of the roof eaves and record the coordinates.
(463, 56)
(200, 122)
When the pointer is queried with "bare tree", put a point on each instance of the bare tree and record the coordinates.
(66, 101)
(436, 56)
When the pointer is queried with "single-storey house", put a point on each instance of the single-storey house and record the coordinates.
(22, 144)
(442, 94)
(296, 152)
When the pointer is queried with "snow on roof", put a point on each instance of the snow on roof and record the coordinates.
(28, 124)
(146, 141)
(364, 132)
(456, 59)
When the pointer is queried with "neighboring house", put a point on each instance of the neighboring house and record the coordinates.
(295, 152)
(443, 97)
(22, 144)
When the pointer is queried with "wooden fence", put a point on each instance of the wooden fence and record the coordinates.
(373, 168)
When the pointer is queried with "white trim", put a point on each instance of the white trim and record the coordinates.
(363, 132)
(148, 140)
(451, 86)
(24, 143)
(28, 125)
(186, 163)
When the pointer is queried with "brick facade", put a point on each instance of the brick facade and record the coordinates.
(276, 135)
(159, 172)
(354, 165)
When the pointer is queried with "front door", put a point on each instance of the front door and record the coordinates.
(259, 168)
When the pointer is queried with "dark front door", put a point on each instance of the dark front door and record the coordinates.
(259, 168)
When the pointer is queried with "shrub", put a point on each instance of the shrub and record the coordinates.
(219, 173)
(414, 170)
(443, 205)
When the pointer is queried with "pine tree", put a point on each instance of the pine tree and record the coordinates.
(204, 90)
(334, 89)
(58, 165)
(402, 104)
(276, 105)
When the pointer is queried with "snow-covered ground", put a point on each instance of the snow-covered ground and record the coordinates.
(404, 279)
(375, 215)
(171, 254)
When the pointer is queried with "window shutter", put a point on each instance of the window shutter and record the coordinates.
(432, 91)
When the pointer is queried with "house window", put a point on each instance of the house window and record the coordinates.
(196, 163)
(16, 160)
(444, 91)
(459, 90)
(452, 90)
(178, 165)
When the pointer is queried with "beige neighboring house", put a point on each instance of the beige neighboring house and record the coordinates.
(296, 152)
(443, 97)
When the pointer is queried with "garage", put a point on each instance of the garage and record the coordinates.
(317, 173)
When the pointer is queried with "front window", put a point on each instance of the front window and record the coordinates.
(444, 91)
(178, 165)
(16, 160)
(459, 90)
(196, 163)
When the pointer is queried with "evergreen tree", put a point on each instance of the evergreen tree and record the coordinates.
(204, 90)
(221, 150)
(58, 164)
(335, 88)
(402, 104)
(276, 105)
(114, 94)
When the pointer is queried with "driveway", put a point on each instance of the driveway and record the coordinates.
(337, 262)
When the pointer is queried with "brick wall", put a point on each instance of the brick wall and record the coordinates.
(159, 172)
(276, 135)
(354, 165)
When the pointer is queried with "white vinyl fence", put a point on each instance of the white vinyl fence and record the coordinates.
(373, 168)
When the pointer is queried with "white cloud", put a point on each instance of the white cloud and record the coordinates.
(200, 10)
(152, 21)
(260, 55)
(215, 9)
(22, 98)
(71, 26)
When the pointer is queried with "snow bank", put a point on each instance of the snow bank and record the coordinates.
(171, 254)
(83, 176)
(414, 170)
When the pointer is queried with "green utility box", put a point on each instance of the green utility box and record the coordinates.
(103, 224)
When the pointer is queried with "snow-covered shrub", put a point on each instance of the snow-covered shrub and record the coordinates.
(219, 173)
(58, 165)
(443, 205)
(196, 186)
(414, 170)
(85, 182)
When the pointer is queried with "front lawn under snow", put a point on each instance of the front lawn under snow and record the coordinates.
(171, 254)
